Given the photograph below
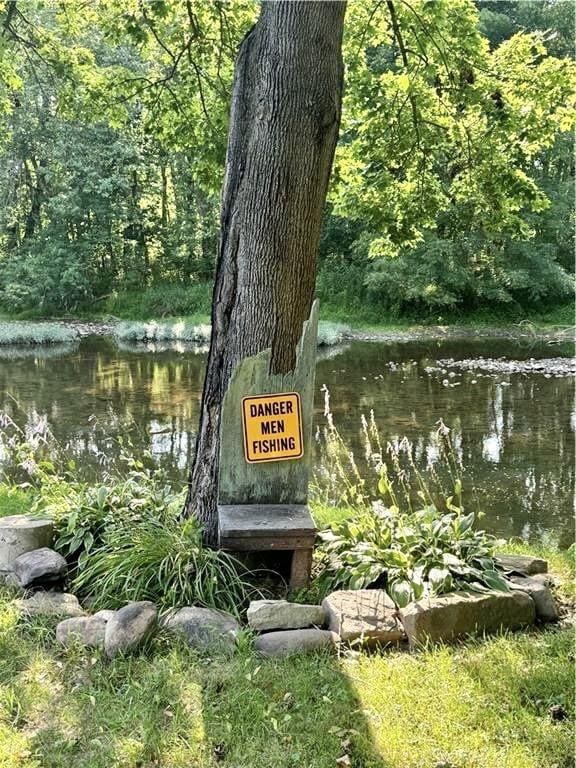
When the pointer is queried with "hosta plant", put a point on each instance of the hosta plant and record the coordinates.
(411, 554)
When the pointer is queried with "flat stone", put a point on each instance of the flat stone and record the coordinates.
(204, 628)
(368, 615)
(87, 630)
(462, 613)
(280, 614)
(50, 604)
(546, 609)
(290, 641)
(523, 564)
(23, 533)
(129, 627)
(40, 567)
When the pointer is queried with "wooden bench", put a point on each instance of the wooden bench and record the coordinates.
(269, 527)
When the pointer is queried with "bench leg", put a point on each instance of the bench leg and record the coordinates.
(301, 568)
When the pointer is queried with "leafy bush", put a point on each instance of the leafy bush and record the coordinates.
(410, 555)
(34, 333)
(404, 534)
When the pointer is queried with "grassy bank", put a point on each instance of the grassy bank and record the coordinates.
(482, 703)
(194, 303)
(22, 332)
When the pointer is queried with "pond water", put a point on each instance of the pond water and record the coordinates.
(512, 425)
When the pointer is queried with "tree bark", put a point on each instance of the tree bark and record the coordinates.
(284, 123)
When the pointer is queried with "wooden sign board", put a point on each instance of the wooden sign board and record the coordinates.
(272, 427)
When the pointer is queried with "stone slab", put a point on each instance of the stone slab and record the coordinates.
(23, 533)
(264, 615)
(204, 628)
(366, 615)
(546, 608)
(39, 567)
(523, 564)
(129, 627)
(290, 641)
(86, 630)
(50, 604)
(463, 613)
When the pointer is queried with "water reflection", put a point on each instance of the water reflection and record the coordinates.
(512, 431)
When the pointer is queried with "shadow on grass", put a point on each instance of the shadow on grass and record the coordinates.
(169, 707)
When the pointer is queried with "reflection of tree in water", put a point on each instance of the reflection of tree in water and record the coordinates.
(98, 394)
(514, 441)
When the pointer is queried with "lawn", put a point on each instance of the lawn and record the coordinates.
(483, 703)
(480, 704)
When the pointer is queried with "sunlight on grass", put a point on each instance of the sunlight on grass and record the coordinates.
(484, 705)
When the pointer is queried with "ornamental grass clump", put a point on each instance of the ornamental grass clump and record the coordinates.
(403, 533)
(123, 538)
(19, 332)
(152, 330)
(163, 559)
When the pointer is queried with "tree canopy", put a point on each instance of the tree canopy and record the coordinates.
(453, 181)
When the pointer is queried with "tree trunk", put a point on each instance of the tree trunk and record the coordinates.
(284, 123)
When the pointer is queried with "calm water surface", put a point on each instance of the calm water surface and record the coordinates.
(513, 431)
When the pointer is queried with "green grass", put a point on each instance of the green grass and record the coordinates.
(373, 318)
(20, 332)
(481, 704)
(164, 300)
(14, 501)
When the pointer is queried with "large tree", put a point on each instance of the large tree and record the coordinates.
(284, 124)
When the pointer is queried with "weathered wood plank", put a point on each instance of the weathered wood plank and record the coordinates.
(277, 482)
(256, 520)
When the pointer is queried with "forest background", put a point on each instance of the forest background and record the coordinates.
(452, 196)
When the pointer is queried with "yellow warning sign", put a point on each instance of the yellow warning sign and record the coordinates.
(272, 427)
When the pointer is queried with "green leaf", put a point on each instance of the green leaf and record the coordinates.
(401, 593)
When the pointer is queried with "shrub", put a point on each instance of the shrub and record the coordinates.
(410, 555)
(408, 535)
(162, 559)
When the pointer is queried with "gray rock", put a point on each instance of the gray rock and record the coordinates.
(546, 609)
(39, 567)
(523, 564)
(50, 604)
(367, 615)
(545, 578)
(280, 614)
(289, 641)
(87, 630)
(22, 533)
(129, 627)
(204, 628)
(463, 613)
